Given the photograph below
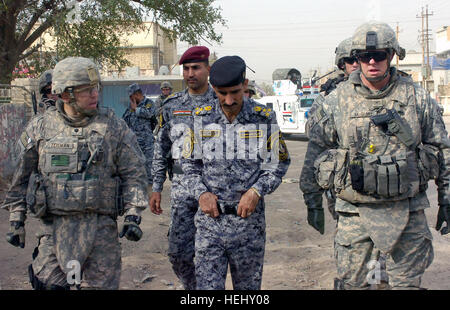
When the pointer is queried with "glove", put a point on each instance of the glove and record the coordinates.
(16, 236)
(316, 219)
(316, 216)
(131, 228)
(443, 216)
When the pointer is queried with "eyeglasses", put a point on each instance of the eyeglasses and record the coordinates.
(376, 55)
(88, 90)
(350, 60)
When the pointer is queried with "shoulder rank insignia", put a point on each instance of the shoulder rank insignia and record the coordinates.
(202, 110)
(262, 110)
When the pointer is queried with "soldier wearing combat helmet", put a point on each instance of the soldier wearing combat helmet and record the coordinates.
(377, 140)
(45, 89)
(345, 62)
(88, 170)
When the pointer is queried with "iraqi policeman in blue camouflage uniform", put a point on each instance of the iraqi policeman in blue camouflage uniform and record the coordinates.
(141, 117)
(175, 118)
(232, 158)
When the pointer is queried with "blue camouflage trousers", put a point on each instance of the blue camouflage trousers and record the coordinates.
(148, 152)
(230, 240)
(182, 234)
(405, 265)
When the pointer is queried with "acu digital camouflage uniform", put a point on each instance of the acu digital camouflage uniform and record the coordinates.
(379, 178)
(142, 122)
(74, 191)
(176, 116)
(228, 167)
(45, 80)
(342, 50)
(159, 102)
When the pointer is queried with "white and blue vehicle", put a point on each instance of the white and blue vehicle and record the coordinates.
(291, 102)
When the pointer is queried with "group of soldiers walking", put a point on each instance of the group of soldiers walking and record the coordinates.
(375, 140)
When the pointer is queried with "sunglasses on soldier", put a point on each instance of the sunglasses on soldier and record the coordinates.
(350, 60)
(375, 55)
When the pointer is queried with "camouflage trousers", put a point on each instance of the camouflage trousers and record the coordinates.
(182, 234)
(230, 240)
(148, 153)
(96, 248)
(355, 253)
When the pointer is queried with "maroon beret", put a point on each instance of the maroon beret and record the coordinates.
(195, 54)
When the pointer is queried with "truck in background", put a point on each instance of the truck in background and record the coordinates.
(291, 101)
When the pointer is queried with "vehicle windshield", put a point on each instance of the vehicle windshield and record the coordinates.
(306, 103)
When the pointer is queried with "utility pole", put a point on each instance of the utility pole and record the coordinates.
(422, 41)
(428, 38)
(425, 42)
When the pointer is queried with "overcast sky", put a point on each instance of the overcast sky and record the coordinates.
(304, 34)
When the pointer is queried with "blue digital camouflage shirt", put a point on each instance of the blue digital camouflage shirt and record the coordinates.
(142, 121)
(175, 117)
(227, 159)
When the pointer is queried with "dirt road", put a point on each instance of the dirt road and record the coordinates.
(297, 257)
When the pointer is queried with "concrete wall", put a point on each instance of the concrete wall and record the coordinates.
(14, 115)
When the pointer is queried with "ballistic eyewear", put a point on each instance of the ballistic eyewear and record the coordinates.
(376, 55)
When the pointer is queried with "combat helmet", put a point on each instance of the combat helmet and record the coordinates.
(166, 84)
(376, 35)
(74, 71)
(343, 50)
(45, 79)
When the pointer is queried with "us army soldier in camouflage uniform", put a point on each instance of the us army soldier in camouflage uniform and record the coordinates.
(378, 139)
(78, 153)
(166, 91)
(241, 158)
(45, 89)
(141, 117)
(347, 63)
(175, 118)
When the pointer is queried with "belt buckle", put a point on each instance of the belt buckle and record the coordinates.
(227, 207)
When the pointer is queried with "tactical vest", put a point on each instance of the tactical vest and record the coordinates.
(77, 166)
(371, 166)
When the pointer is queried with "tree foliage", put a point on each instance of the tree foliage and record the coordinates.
(268, 89)
(95, 28)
